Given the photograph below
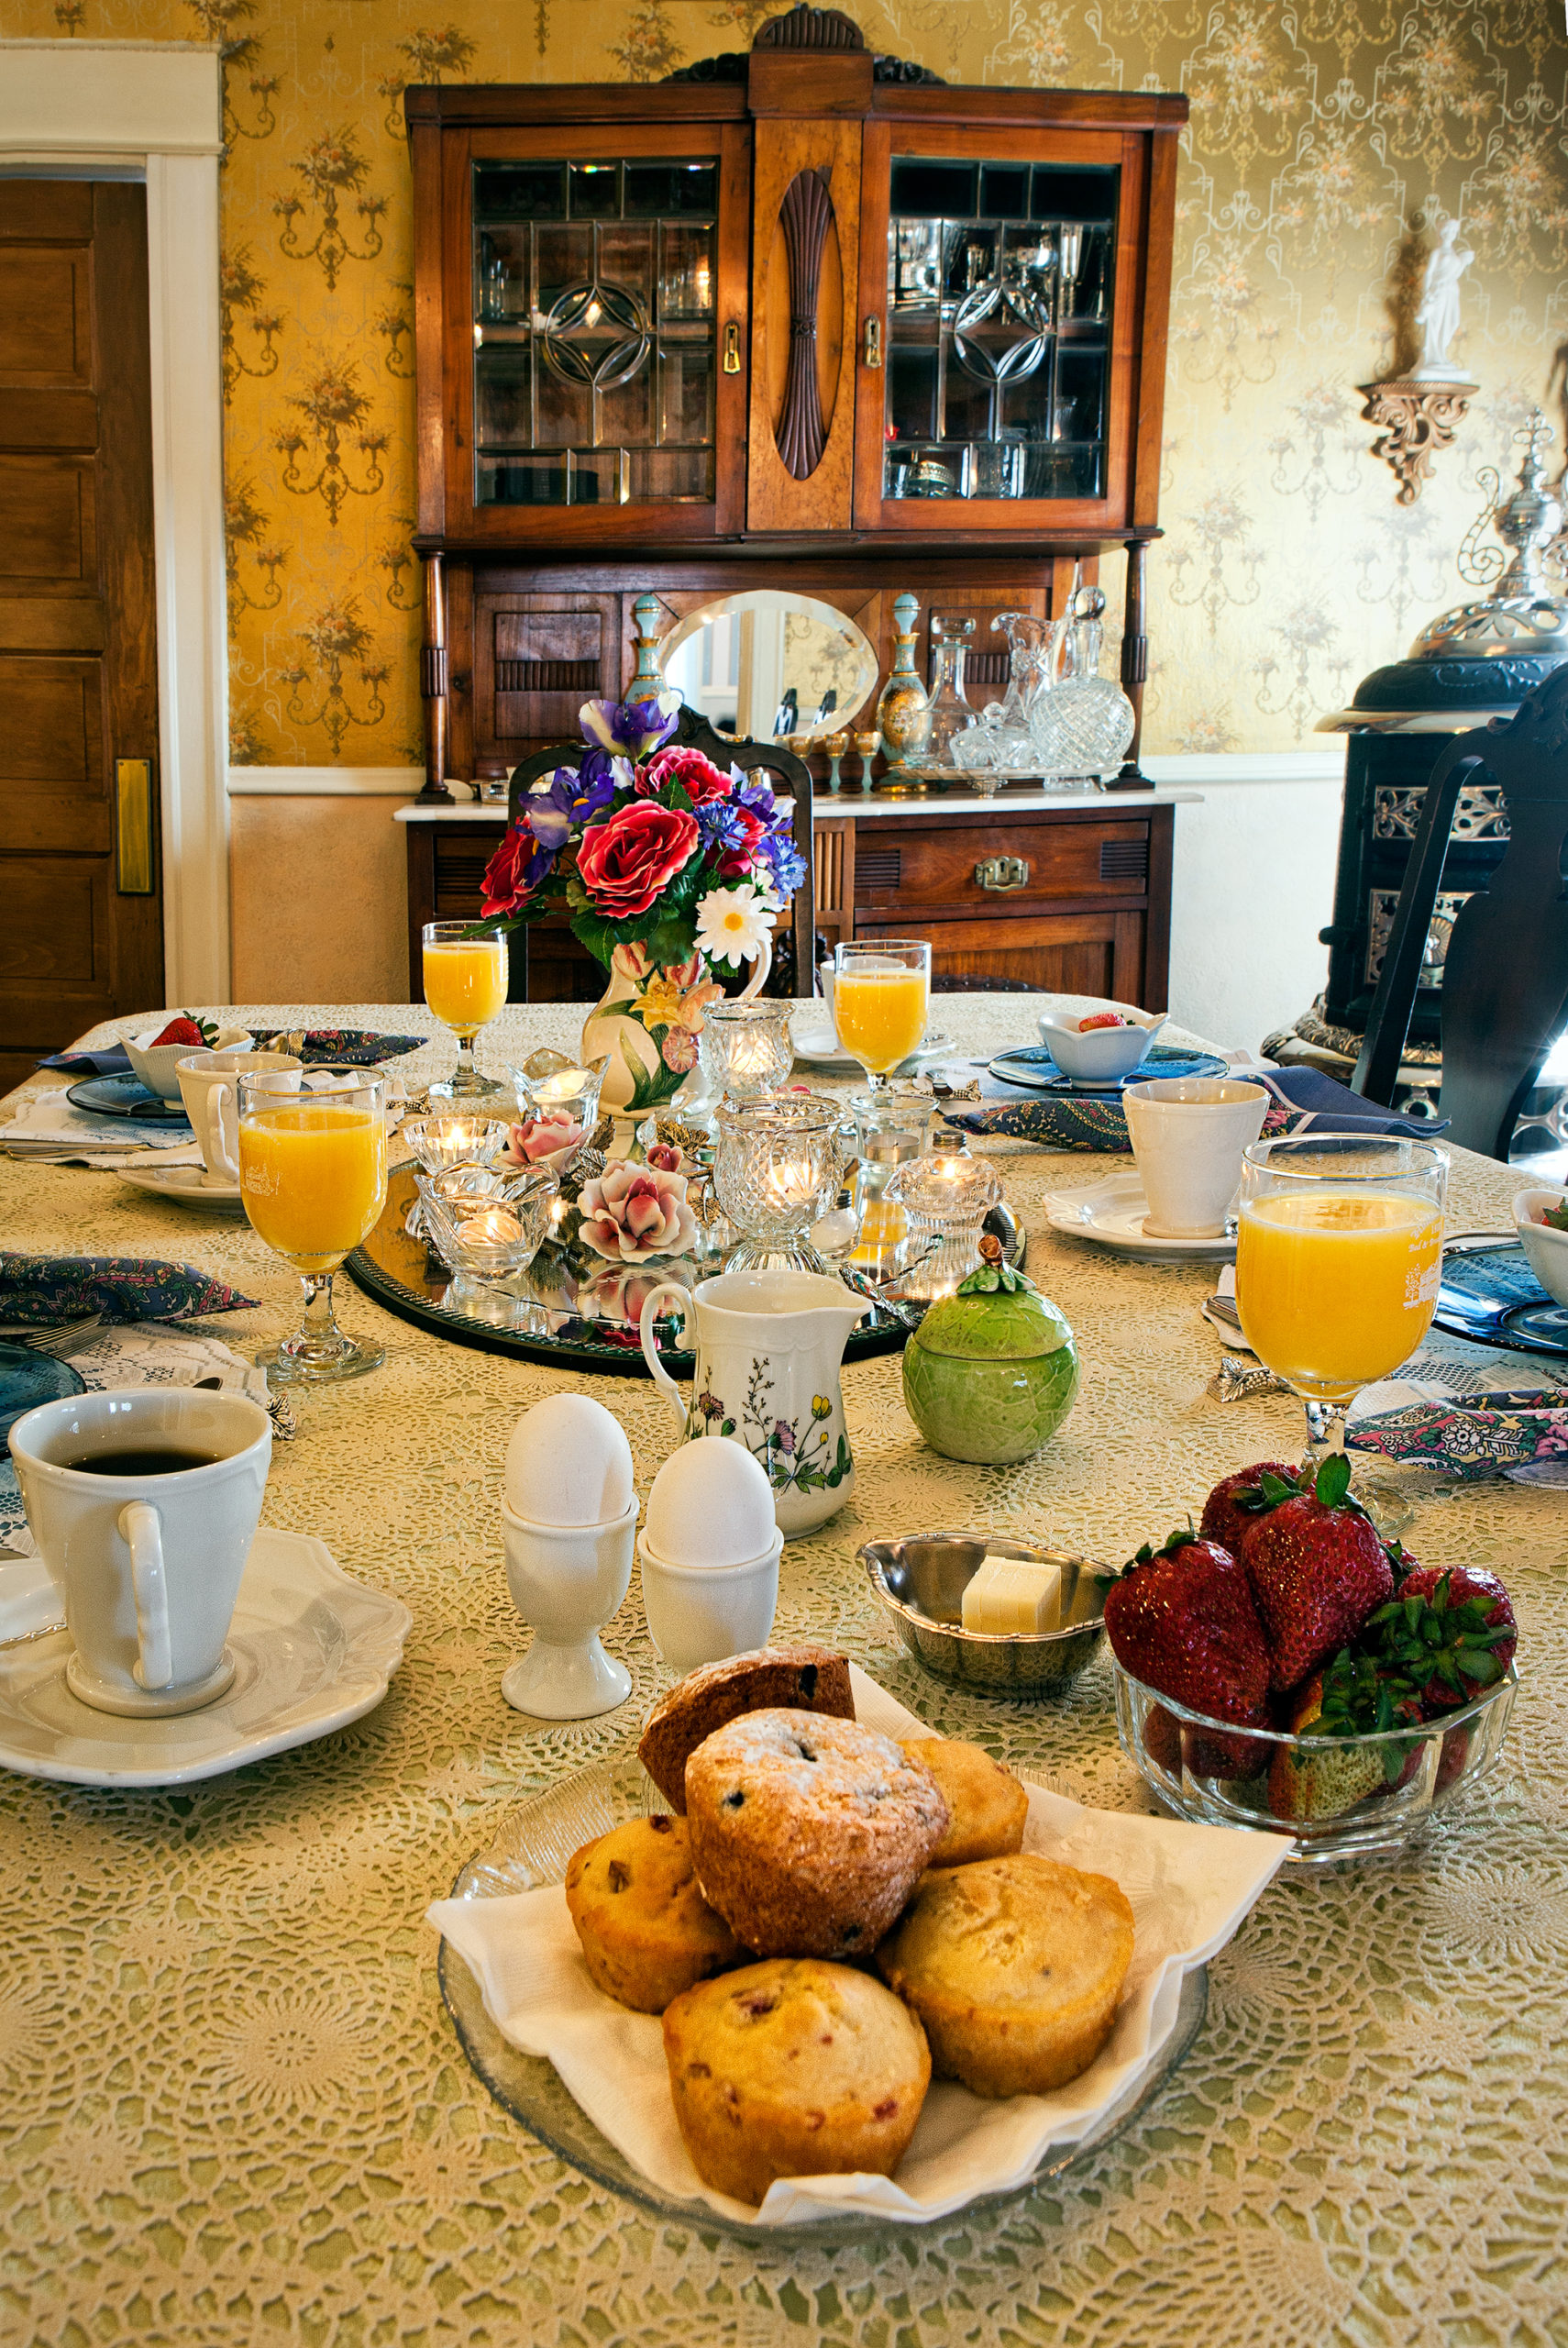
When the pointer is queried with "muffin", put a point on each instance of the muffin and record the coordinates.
(809, 1832)
(1015, 1965)
(793, 2068)
(804, 1678)
(986, 1806)
(647, 1931)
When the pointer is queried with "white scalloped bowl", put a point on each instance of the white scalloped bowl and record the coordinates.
(1104, 1054)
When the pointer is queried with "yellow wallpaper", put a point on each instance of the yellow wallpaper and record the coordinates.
(1324, 133)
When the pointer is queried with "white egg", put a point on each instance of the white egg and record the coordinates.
(711, 1505)
(568, 1463)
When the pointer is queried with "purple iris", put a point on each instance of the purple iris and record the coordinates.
(633, 729)
(719, 826)
(783, 863)
(758, 797)
(574, 798)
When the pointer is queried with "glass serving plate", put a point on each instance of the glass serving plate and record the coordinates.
(530, 1848)
(1215, 1775)
(570, 1306)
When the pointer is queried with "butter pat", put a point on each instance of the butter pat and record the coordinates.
(1013, 1594)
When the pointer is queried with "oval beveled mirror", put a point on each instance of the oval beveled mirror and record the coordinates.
(767, 664)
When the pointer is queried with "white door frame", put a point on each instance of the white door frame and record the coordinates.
(158, 105)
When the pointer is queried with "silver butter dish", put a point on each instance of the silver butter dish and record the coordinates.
(920, 1584)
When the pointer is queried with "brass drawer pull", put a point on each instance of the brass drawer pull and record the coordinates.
(133, 826)
(1002, 873)
(873, 342)
(732, 347)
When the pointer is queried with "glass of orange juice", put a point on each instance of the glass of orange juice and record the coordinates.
(312, 1179)
(1339, 1258)
(881, 988)
(464, 985)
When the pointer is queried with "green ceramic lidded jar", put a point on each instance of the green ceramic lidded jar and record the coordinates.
(992, 1371)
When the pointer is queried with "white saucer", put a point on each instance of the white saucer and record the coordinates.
(819, 1048)
(312, 1652)
(1112, 1212)
(186, 1185)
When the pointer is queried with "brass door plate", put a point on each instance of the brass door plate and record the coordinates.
(136, 865)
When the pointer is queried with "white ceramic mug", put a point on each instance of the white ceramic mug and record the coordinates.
(148, 1566)
(700, 1614)
(1187, 1134)
(207, 1089)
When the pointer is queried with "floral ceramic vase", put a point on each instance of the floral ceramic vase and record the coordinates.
(648, 1021)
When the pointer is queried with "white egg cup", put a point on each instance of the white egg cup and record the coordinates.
(700, 1614)
(567, 1581)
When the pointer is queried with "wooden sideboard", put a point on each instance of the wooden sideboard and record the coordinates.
(1072, 897)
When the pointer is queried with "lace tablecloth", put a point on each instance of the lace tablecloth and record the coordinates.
(232, 2109)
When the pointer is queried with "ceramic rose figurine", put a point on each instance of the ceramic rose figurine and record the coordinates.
(668, 866)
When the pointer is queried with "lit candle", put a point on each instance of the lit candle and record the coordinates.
(750, 1054)
(793, 1182)
(491, 1227)
(565, 1085)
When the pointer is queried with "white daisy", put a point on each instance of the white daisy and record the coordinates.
(733, 925)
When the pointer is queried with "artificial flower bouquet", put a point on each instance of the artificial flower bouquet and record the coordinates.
(667, 866)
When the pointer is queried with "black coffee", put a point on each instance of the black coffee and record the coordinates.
(144, 1459)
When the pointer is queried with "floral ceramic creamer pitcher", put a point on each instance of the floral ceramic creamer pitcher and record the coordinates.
(768, 1348)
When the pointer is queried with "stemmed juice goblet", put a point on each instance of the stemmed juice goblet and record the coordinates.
(464, 985)
(1339, 1258)
(312, 1179)
(881, 990)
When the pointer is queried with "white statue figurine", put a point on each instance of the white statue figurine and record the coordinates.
(1438, 316)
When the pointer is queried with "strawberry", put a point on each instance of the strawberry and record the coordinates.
(1350, 1698)
(1237, 1503)
(1318, 1570)
(1182, 1619)
(1162, 1740)
(179, 1031)
(1103, 1019)
(1450, 1632)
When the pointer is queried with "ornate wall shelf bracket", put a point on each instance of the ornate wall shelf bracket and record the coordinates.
(806, 215)
(1415, 420)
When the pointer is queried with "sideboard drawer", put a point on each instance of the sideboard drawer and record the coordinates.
(970, 869)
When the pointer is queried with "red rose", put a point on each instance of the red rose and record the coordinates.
(738, 862)
(628, 858)
(697, 777)
(506, 883)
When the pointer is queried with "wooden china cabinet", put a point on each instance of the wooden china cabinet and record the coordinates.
(804, 319)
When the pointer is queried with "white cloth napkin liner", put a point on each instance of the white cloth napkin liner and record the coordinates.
(1190, 1887)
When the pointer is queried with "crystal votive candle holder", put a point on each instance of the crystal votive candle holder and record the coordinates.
(439, 1143)
(776, 1169)
(486, 1222)
(946, 1201)
(890, 1128)
(559, 1108)
(745, 1048)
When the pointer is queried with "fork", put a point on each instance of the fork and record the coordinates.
(64, 1341)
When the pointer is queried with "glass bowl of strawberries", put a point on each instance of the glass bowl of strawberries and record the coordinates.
(1281, 1667)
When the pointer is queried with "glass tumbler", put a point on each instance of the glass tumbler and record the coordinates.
(746, 1048)
(776, 1170)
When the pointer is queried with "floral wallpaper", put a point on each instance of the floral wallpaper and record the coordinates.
(1327, 138)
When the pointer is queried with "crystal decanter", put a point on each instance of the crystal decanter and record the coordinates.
(950, 711)
(1083, 723)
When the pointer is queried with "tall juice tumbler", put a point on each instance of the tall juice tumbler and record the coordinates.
(881, 988)
(1339, 1258)
(313, 1178)
(465, 986)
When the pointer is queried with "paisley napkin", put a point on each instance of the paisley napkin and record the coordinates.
(1304, 1097)
(1190, 1887)
(1459, 1423)
(45, 1291)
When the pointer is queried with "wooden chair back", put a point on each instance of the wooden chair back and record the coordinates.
(794, 959)
(1505, 981)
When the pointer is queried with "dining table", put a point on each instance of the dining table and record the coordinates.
(233, 2106)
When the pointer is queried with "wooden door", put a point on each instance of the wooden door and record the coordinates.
(81, 930)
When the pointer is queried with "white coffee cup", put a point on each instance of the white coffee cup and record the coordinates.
(148, 1566)
(1187, 1134)
(207, 1089)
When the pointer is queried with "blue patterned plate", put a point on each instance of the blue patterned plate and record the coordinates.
(1490, 1295)
(28, 1378)
(1033, 1068)
(125, 1096)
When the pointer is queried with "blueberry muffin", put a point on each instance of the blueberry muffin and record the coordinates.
(809, 1833)
(1015, 1967)
(986, 1806)
(802, 1679)
(647, 1931)
(793, 2068)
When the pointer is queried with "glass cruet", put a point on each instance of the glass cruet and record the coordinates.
(1083, 723)
(950, 711)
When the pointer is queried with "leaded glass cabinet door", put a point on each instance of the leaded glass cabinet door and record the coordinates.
(998, 295)
(598, 360)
